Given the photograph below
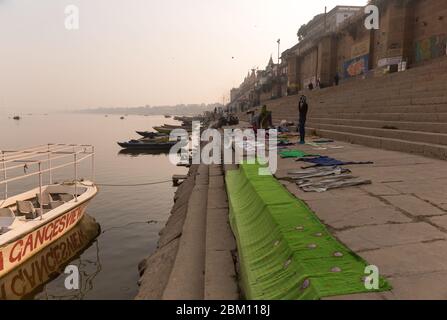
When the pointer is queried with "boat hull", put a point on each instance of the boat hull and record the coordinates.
(30, 277)
(163, 130)
(147, 134)
(46, 231)
(146, 146)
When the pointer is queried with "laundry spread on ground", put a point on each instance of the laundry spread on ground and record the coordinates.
(323, 140)
(317, 172)
(324, 161)
(284, 143)
(295, 154)
(285, 252)
(321, 179)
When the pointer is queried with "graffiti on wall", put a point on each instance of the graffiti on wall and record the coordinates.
(433, 47)
(356, 66)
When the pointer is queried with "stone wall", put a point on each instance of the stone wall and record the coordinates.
(412, 31)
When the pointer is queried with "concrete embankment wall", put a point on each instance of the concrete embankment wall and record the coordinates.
(194, 259)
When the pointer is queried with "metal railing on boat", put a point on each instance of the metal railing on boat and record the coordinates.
(68, 154)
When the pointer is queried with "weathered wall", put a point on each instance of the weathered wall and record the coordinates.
(353, 45)
(415, 32)
(327, 62)
(308, 67)
(430, 29)
(293, 73)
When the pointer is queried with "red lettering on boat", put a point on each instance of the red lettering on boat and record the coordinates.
(48, 235)
(29, 244)
(40, 237)
(17, 257)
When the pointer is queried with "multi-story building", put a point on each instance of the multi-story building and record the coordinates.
(305, 63)
(410, 32)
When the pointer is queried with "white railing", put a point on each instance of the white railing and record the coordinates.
(67, 154)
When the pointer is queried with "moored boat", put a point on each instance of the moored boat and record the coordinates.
(147, 144)
(151, 135)
(163, 130)
(167, 129)
(50, 262)
(32, 220)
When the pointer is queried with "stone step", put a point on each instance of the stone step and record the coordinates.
(433, 108)
(220, 274)
(425, 137)
(425, 149)
(435, 117)
(400, 125)
(406, 117)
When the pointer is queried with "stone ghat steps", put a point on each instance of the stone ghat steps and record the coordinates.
(335, 110)
(434, 127)
(347, 108)
(404, 111)
(369, 103)
(416, 78)
(407, 117)
(425, 149)
(414, 136)
(434, 117)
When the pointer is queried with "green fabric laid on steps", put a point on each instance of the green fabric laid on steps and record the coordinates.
(285, 252)
(295, 154)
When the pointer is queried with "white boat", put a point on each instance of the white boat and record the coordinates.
(32, 220)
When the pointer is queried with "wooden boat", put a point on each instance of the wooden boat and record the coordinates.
(138, 152)
(32, 220)
(147, 144)
(163, 130)
(167, 129)
(151, 135)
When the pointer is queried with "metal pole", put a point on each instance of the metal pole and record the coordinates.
(76, 177)
(4, 175)
(50, 173)
(40, 190)
(279, 45)
(93, 163)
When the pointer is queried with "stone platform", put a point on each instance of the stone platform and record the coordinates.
(399, 223)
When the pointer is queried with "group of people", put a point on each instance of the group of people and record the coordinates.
(264, 119)
(319, 85)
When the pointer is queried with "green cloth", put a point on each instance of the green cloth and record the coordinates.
(276, 234)
(295, 154)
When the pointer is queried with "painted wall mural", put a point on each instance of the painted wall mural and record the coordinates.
(356, 66)
(433, 47)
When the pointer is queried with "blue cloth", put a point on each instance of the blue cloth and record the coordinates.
(324, 161)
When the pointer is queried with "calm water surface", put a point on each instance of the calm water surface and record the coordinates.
(130, 217)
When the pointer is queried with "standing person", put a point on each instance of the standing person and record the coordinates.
(303, 107)
(336, 79)
(265, 118)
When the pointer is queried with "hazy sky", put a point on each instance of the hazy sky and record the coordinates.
(138, 52)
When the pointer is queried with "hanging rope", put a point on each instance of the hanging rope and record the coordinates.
(133, 185)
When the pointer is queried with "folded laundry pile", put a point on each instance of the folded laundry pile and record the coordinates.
(321, 179)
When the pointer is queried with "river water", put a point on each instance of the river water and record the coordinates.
(130, 217)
